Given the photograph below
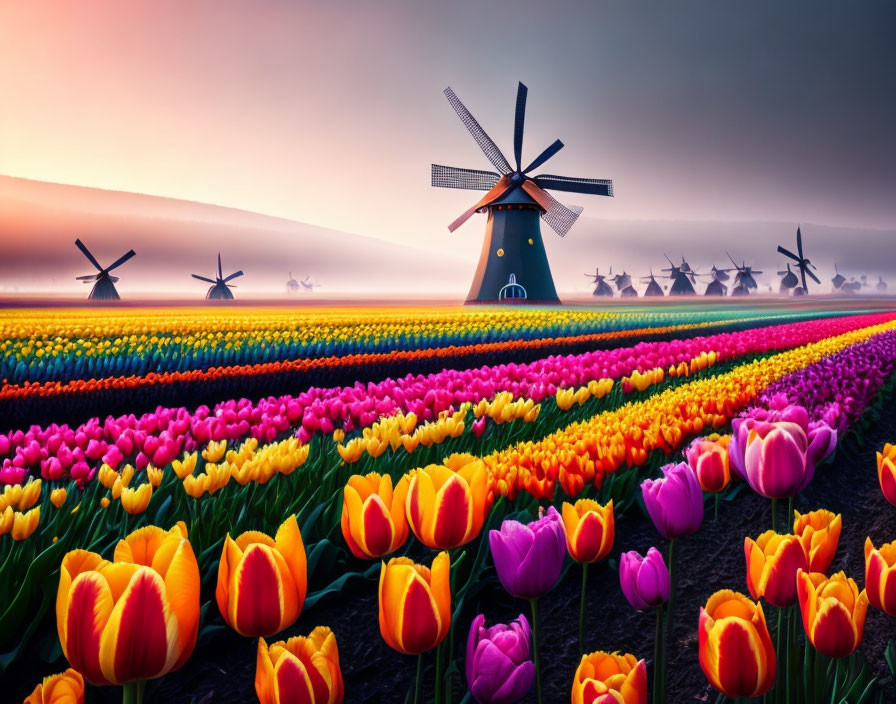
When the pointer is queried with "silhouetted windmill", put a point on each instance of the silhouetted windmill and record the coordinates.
(653, 288)
(802, 263)
(104, 286)
(716, 287)
(220, 289)
(789, 281)
(624, 285)
(838, 280)
(309, 284)
(681, 280)
(686, 268)
(292, 286)
(514, 202)
(881, 284)
(602, 288)
(743, 280)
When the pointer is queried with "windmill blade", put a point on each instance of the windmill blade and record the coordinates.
(733, 262)
(488, 147)
(591, 186)
(799, 242)
(671, 263)
(122, 259)
(788, 253)
(89, 277)
(220, 273)
(471, 179)
(812, 276)
(544, 156)
(496, 192)
(202, 278)
(234, 275)
(756, 271)
(560, 217)
(518, 120)
(80, 245)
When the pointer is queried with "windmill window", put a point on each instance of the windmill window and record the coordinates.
(500, 252)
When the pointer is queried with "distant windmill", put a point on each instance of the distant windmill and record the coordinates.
(220, 289)
(716, 287)
(802, 263)
(104, 286)
(838, 280)
(881, 284)
(852, 286)
(292, 286)
(602, 288)
(653, 288)
(624, 285)
(681, 283)
(309, 284)
(686, 268)
(789, 281)
(743, 280)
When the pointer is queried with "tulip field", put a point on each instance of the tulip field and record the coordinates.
(432, 504)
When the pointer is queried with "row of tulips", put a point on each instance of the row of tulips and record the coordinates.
(59, 451)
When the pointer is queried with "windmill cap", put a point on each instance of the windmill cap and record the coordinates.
(517, 196)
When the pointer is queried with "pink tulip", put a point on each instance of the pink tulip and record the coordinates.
(777, 460)
(675, 502)
(644, 580)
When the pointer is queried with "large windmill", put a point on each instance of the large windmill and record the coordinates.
(802, 263)
(743, 280)
(681, 279)
(104, 286)
(219, 289)
(717, 287)
(514, 201)
(601, 288)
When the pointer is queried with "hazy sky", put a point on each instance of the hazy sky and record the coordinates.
(331, 112)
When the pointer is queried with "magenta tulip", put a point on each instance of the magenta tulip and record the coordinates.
(529, 558)
(644, 580)
(675, 502)
(498, 667)
(776, 459)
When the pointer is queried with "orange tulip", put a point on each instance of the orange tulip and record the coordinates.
(301, 669)
(819, 532)
(136, 500)
(57, 497)
(373, 515)
(135, 618)
(833, 611)
(736, 652)
(610, 678)
(30, 495)
(262, 581)
(415, 603)
(886, 472)
(447, 504)
(772, 562)
(880, 576)
(590, 529)
(65, 688)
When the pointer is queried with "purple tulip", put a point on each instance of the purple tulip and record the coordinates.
(529, 558)
(675, 502)
(822, 441)
(644, 580)
(498, 667)
(777, 460)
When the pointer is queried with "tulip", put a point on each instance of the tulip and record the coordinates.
(30, 495)
(610, 678)
(301, 669)
(64, 688)
(819, 532)
(675, 502)
(136, 500)
(709, 461)
(133, 619)
(185, 467)
(880, 576)
(262, 581)
(57, 497)
(415, 603)
(833, 612)
(24, 524)
(373, 515)
(776, 459)
(772, 563)
(644, 580)
(736, 652)
(498, 667)
(447, 506)
(155, 475)
(886, 472)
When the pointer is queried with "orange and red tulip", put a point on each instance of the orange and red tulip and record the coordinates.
(301, 669)
(447, 504)
(373, 515)
(415, 603)
(880, 576)
(736, 651)
(820, 532)
(886, 472)
(772, 563)
(262, 581)
(590, 529)
(135, 618)
(65, 688)
(833, 612)
(610, 678)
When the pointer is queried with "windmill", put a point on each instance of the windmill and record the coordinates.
(789, 281)
(838, 280)
(686, 268)
(624, 285)
(220, 289)
(653, 288)
(104, 286)
(881, 284)
(309, 284)
(514, 201)
(681, 280)
(602, 288)
(292, 286)
(802, 263)
(717, 287)
(744, 279)
(852, 286)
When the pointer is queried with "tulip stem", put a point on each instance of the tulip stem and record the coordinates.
(789, 517)
(668, 635)
(417, 682)
(775, 515)
(659, 683)
(779, 684)
(534, 604)
(439, 685)
(715, 515)
(132, 692)
(582, 610)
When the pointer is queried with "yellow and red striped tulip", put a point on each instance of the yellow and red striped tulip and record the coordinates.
(447, 504)
(610, 678)
(415, 603)
(301, 669)
(590, 529)
(262, 581)
(373, 514)
(65, 688)
(886, 472)
(136, 500)
(135, 618)
(833, 612)
(820, 532)
(772, 563)
(24, 524)
(880, 576)
(736, 651)
(58, 496)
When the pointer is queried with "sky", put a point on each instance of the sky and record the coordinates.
(330, 113)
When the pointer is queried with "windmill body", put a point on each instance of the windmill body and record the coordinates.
(717, 287)
(624, 285)
(601, 288)
(653, 288)
(104, 283)
(292, 286)
(220, 286)
(804, 265)
(681, 279)
(881, 284)
(789, 281)
(515, 203)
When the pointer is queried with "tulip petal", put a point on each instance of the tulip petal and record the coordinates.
(88, 610)
(376, 529)
(454, 514)
(255, 606)
(293, 685)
